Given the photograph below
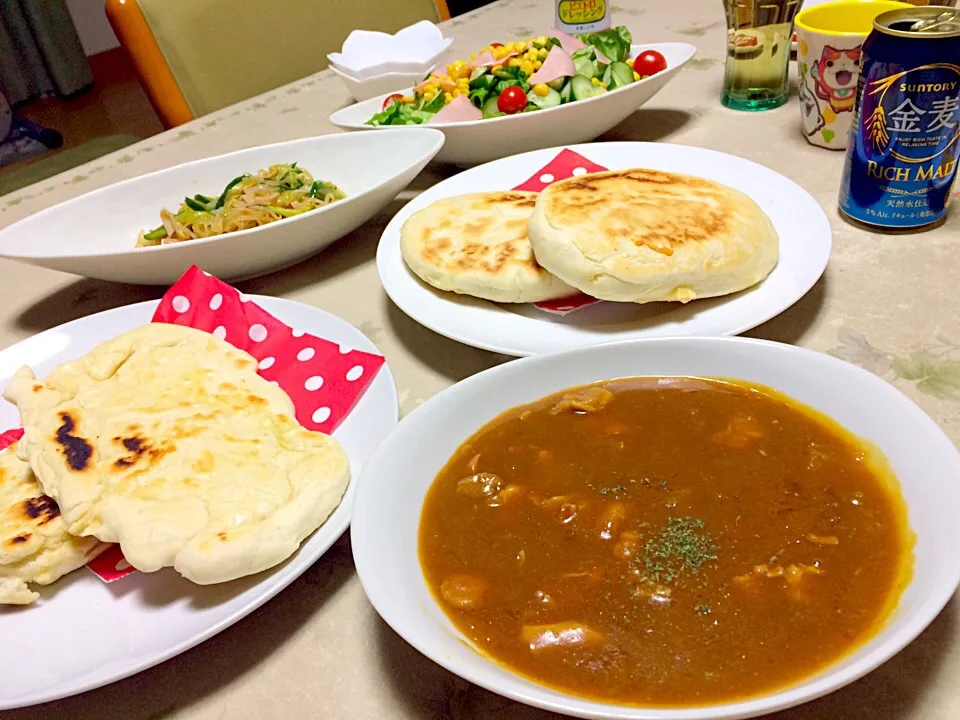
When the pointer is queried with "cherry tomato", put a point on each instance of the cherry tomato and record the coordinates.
(496, 44)
(390, 98)
(649, 62)
(512, 100)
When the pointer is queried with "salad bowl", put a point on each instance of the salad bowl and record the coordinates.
(473, 142)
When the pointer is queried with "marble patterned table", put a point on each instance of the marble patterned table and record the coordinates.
(887, 303)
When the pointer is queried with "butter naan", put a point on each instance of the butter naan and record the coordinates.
(477, 245)
(647, 235)
(34, 544)
(166, 441)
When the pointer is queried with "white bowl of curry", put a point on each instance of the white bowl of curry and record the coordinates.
(662, 529)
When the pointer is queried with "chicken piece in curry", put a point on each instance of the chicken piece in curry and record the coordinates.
(665, 541)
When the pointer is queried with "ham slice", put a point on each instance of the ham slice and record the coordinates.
(460, 109)
(568, 42)
(558, 63)
(486, 59)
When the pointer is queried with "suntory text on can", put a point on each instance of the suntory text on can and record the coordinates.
(901, 159)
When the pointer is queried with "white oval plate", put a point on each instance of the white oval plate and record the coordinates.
(94, 235)
(386, 513)
(82, 633)
(805, 241)
(479, 141)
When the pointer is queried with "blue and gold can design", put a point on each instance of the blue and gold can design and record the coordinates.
(902, 155)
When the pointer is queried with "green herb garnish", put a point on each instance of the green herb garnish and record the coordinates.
(614, 489)
(681, 547)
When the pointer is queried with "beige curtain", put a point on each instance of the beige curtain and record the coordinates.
(39, 51)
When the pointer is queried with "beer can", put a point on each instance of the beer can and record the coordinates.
(901, 160)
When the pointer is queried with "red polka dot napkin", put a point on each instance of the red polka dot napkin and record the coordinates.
(324, 379)
(565, 165)
(9, 437)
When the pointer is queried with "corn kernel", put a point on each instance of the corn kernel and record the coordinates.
(542, 40)
(429, 95)
(542, 54)
(407, 99)
(526, 67)
(541, 90)
(594, 81)
(537, 65)
(636, 75)
(447, 97)
(513, 62)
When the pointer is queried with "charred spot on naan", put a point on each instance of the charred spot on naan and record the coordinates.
(140, 452)
(41, 509)
(18, 539)
(523, 200)
(76, 449)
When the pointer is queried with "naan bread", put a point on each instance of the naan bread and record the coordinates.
(477, 245)
(167, 441)
(34, 544)
(647, 235)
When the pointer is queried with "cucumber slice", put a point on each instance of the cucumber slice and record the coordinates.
(583, 88)
(620, 74)
(551, 99)
(607, 74)
(565, 93)
(585, 67)
(435, 105)
(557, 83)
(490, 109)
(485, 80)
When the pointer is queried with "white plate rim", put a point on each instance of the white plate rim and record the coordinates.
(475, 312)
(280, 580)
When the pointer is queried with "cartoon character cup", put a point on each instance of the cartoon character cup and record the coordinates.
(829, 37)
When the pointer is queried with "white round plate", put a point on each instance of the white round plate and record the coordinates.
(82, 633)
(479, 141)
(391, 490)
(805, 240)
(95, 234)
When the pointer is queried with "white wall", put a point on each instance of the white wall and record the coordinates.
(94, 30)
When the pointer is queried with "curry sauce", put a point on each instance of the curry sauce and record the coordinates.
(665, 541)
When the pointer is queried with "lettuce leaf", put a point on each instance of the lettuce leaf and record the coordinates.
(401, 114)
(614, 43)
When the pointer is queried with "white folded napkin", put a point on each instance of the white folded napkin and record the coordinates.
(366, 50)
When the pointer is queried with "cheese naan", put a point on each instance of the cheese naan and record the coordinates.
(477, 245)
(648, 235)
